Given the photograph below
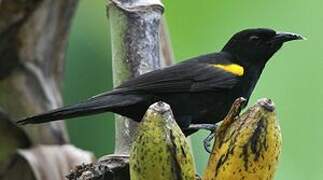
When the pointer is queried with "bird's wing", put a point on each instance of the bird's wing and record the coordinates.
(181, 78)
(184, 77)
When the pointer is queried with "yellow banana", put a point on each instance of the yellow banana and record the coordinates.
(160, 150)
(246, 147)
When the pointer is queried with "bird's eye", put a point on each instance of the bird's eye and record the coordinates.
(254, 38)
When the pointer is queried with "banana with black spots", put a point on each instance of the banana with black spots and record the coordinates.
(160, 150)
(246, 147)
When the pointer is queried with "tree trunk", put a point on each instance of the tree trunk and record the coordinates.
(33, 38)
(135, 50)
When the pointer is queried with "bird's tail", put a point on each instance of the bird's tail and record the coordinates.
(88, 107)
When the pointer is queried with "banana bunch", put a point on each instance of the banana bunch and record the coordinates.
(160, 150)
(246, 147)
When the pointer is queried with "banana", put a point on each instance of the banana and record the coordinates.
(160, 150)
(246, 147)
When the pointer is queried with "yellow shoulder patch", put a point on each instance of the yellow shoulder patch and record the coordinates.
(235, 69)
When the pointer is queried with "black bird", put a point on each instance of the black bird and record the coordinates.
(199, 90)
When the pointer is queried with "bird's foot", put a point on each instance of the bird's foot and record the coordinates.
(234, 112)
(209, 127)
(207, 142)
(198, 177)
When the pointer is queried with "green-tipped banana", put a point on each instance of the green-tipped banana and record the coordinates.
(160, 150)
(246, 147)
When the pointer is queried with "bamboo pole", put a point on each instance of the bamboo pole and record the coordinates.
(135, 50)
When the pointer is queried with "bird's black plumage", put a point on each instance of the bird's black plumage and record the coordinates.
(200, 90)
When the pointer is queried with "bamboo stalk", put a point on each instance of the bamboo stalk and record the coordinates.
(135, 50)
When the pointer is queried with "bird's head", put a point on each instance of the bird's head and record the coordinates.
(256, 46)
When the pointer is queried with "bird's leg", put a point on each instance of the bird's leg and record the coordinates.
(209, 127)
(220, 127)
(210, 137)
(195, 127)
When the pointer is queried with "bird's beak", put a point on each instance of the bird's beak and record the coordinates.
(282, 37)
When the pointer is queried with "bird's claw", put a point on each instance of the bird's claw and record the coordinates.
(207, 142)
(198, 177)
(209, 127)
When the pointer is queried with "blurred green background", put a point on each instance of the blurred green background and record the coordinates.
(292, 78)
